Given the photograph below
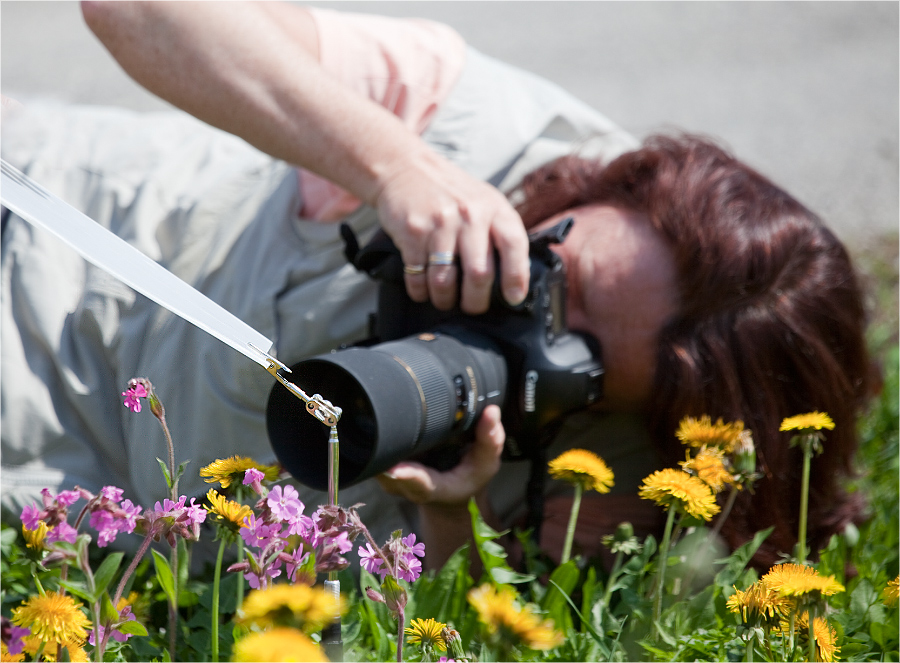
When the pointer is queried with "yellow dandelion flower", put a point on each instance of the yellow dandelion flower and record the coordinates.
(427, 632)
(826, 637)
(297, 605)
(278, 644)
(231, 470)
(34, 538)
(227, 511)
(709, 466)
(759, 605)
(73, 651)
(816, 420)
(503, 616)
(702, 432)
(889, 594)
(53, 618)
(671, 486)
(580, 466)
(800, 580)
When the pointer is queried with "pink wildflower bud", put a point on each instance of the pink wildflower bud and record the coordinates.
(239, 567)
(375, 596)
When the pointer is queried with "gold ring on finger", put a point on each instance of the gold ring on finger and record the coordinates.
(414, 270)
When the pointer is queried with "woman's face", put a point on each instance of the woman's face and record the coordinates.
(622, 289)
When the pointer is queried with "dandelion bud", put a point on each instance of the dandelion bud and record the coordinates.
(454, 643)
(745, 454)
(624, 532)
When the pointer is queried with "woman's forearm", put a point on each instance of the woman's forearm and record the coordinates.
(252, 69)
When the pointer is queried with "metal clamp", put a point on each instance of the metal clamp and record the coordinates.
(316, 405)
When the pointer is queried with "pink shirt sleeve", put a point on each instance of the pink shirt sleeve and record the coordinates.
(408, 66)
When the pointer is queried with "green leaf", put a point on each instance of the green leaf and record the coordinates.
(738, 560)
(492, 554)
(557, 599)
(165, 471)
(78, 588)
(442, 596)
(133, 627)
(164, 575)
(179, 472)
(106, 572)
(108, 612)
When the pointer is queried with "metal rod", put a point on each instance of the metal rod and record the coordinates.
(331, 634)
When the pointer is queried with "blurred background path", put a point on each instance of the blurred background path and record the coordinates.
(807, 92)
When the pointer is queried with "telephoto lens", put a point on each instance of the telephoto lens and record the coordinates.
(400, 400)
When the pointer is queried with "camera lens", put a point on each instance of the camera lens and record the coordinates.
(400, 400)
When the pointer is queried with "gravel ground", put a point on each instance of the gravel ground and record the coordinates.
(807, 92)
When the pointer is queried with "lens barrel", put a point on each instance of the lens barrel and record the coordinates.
(400, 400)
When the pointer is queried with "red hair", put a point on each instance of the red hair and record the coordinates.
(770, 324)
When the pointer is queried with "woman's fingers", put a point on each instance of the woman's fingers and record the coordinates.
(425, 485)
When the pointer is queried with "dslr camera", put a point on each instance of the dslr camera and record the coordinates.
(416, 387)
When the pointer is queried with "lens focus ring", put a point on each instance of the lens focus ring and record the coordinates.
(436, 386)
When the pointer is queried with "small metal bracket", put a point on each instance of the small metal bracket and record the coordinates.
(316, 405)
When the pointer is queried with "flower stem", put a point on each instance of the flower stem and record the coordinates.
(214, 626)
(613, 575)
(131, 567)
(573, 520)
(811, 615)
(804, 502)
(401, 624)
(663, 562)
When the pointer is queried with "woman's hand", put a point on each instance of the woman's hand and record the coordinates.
(445, 523)
(426, 486)
(435, 212)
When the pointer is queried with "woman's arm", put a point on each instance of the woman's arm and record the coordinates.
(252, 70)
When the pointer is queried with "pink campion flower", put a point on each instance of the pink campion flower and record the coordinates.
(284, 503)
(253, 478)
(306, 529)
(297, 558)
(62, 532)
(258, 533)
(173, 519)
(410, 569)
(371, 561)
(111, 519)
(414, 548)
(112, 493)
(65, 499)
(31, 516)
(343, 542)
(132, 396)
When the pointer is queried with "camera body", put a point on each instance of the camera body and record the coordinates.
(416, 387)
